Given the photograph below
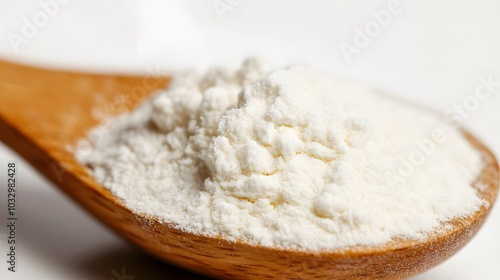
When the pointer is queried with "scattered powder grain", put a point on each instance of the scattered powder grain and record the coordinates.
(291, 158)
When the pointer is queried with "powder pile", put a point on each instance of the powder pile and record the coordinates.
(290, 158)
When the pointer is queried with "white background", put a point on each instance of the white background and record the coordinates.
(432, 52)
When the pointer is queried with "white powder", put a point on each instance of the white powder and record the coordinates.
(294, 159)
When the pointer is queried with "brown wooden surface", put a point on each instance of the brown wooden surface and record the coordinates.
(44, 112)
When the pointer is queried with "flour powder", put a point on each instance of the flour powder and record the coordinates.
(291, 158)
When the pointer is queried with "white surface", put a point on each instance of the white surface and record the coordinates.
(431, 52)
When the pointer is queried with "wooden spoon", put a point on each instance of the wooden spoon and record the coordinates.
(43, 112)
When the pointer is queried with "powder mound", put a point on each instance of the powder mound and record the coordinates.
(292, 158)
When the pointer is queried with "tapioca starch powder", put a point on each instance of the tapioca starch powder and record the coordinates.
(292, 158)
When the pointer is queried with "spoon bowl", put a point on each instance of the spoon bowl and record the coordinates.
(44, 113)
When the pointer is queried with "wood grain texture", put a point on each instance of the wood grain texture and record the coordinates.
(43, 112)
